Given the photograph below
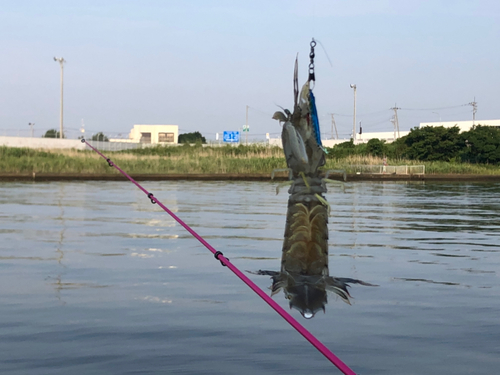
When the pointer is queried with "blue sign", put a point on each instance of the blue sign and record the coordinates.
(233, 137)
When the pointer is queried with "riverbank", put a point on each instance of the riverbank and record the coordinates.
(40, 177)
(243, 163)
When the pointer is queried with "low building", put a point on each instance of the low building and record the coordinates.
(155, 134)
(462, 125)
(389, 137)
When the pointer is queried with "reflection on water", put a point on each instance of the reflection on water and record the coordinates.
(308, 293)
(59, 284)
(95, 279)
(304, 275)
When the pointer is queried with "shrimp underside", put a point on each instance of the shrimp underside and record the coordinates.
(305, 246)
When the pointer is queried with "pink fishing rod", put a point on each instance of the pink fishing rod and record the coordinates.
(225, 262)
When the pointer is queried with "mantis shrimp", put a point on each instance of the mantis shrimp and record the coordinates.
(304, 274)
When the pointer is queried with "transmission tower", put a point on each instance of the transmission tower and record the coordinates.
(334, 126)
(395, 121)
(474, 110)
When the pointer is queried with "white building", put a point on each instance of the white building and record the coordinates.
(462, 125)
(155, 134)
(389, 137)
(360, 138)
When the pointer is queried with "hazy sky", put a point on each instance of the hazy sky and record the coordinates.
(198, 64)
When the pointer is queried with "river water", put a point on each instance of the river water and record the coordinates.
(94, 279)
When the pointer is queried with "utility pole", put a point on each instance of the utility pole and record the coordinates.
(82, 130)
(474, 110)
(395, 120)
(354, 119)
(246, 128)
(334, 126)
(61, 62)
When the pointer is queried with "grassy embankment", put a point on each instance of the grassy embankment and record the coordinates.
(193, 159)
(158, 160)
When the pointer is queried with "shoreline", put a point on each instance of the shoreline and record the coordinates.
(40, 177)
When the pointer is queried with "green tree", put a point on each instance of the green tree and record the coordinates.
(342, 150)
(482, 145)
(434, 143)
(100, 137)
(396, 149)
(52, 133)
(195, 137)
(375, 147)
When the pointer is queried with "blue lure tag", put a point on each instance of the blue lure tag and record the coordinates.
(315, 120)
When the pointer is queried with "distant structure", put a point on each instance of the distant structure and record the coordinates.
(383, 136)
(462, 125)
(388, 137)
(152, 134)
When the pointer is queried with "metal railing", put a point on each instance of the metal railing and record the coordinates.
(387, 169)
(114, 146)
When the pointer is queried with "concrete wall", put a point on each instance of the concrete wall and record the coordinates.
(383, 136)
(48, 143)
(55, 143)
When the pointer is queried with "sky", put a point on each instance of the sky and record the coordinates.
(199, 64)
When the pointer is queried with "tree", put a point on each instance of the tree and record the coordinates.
(375, 147)
(52, 133)
(342, 150)
(396, 149)
(482, 145)
(434, 143)
(192, 138)
(100, 137)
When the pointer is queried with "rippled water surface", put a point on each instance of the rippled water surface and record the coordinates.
(94, 279)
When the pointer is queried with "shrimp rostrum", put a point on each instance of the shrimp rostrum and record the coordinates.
(304, 275)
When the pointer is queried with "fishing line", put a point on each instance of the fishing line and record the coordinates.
(326, 54)
(226, 263)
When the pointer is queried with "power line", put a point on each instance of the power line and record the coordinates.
(261, 112)
(434, 109)
(374, 113)
(361, 114)
(387, 119)
(447, 114)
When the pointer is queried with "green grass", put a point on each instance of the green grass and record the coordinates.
(433, 167)
(441, 167)
(158, 160)
(194, 159)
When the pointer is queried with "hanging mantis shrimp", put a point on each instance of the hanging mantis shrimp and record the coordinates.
(304, 274)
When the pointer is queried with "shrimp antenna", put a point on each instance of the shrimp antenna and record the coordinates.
(296, 82)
